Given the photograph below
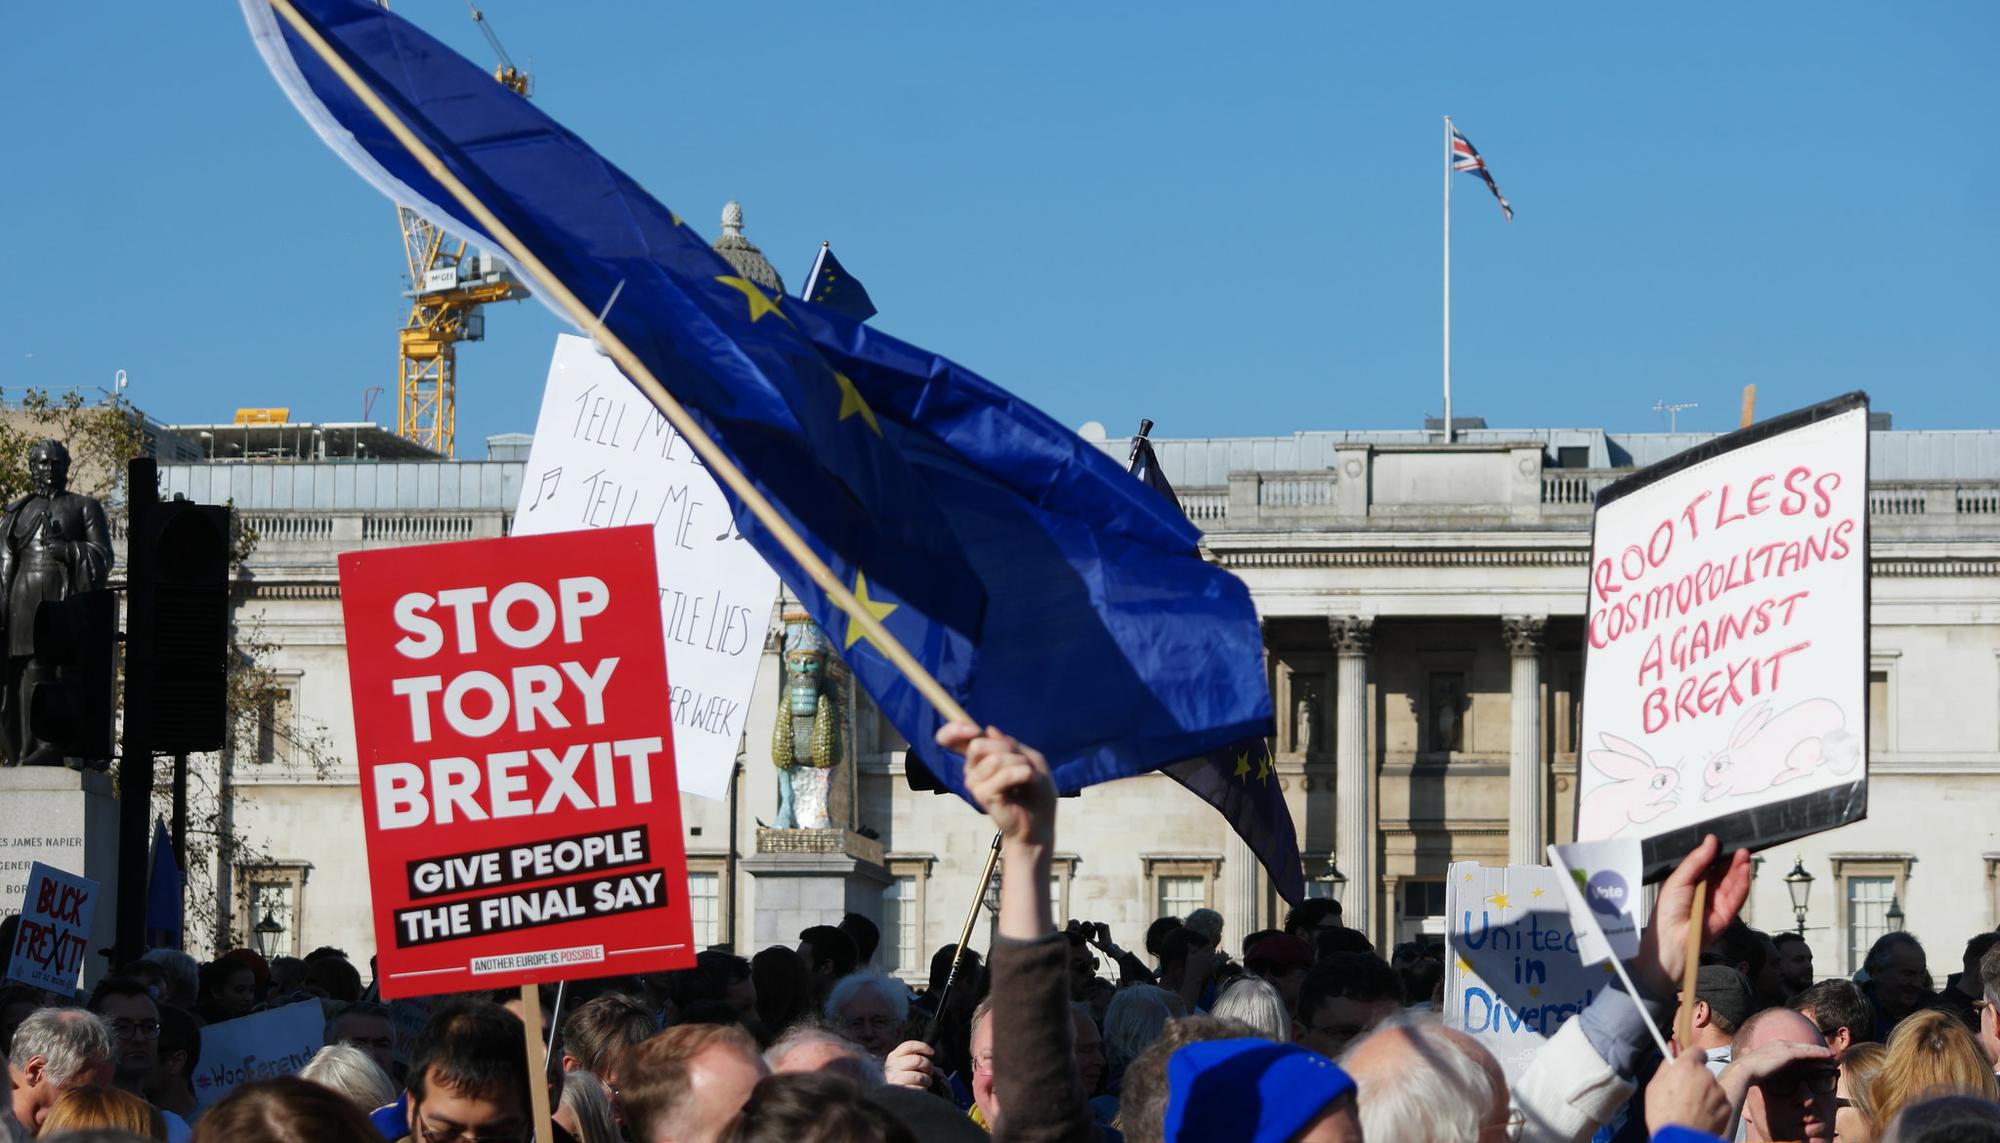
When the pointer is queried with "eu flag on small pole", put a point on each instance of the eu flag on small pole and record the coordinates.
(829, 284)
(964, 551)
(165, 891)
(1237, 780)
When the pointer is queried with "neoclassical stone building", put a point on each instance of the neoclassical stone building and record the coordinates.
(1422, 609)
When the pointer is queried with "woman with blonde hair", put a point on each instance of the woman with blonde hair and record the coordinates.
(90, 1106)
(1929, 1053)
(1855, 1121)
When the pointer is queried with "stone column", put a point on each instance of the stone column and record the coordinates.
(1528, 779)
(1353, 787)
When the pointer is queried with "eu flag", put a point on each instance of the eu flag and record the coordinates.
(1239, 779)
(829, 284)
(1040, 585)
(165, 888)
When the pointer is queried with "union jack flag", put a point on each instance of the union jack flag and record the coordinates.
(1465, 157)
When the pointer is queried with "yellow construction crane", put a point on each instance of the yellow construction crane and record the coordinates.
(448, 285)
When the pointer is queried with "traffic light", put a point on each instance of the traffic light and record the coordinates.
(177, 645)
(71, 706)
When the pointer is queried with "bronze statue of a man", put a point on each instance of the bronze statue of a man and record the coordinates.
(54, 544)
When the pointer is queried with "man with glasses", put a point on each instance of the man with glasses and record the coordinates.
(468, 1077)
(127, 1007)
(1783, 1077)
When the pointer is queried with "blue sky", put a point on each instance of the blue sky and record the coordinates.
(1226, 219)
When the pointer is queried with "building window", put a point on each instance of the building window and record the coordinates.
(275, 725)
(271, 901)
(898, 951)
(1869, 885)
(1878, 712)
(901, 952)
(705, 906)
(1868, 900)
(1180, 896)
(1422, 914)
(1180, 885)
(1444, 712)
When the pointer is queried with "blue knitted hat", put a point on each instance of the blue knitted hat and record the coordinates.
(1248, 1091)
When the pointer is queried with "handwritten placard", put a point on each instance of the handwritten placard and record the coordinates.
(1725, 681)
(263, 1045)
(605, 458)
(54, 933)
(1514, 974)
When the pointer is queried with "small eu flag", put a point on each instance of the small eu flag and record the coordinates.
(830, 285)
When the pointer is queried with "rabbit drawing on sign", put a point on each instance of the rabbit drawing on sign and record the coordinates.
(1640, 790)
(1769, 749)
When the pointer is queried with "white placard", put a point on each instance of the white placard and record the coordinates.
(1725, 682)
(1514, 975)
(259, 1046)
(603, 458)
(1601, 881)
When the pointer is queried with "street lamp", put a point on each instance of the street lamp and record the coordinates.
(267, 931)
(1799, 884)
(1334, 880)
(1895, 915)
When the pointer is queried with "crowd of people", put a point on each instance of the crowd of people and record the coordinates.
(1056, 1034)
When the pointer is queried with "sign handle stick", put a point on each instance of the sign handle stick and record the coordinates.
(1684, 1028)
(551, 287)
(538, 1083)
(555, 1022)
(1749, 406)
(964, 935)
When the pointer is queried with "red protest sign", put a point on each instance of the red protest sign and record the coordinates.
(516, 758)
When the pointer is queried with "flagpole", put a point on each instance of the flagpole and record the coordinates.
(1447, 280)
(551, 287)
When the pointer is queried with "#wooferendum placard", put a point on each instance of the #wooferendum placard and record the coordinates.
(1726, 660)
(516, 758)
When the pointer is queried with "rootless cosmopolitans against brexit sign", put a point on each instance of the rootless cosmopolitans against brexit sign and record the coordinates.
(604, 457)
(1726, 661)
(516, 761)
(1514, 974)
(54, 931)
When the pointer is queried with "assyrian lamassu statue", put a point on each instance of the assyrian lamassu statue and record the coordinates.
(54, 544)
(805, 740)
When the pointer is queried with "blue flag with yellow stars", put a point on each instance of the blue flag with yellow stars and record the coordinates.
(829, 284)
(1238, 780)
(1050, 593)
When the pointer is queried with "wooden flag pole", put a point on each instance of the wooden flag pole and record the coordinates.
(718, 462)
(964, 935)
(1749, 406)
(538, 1078)
(1684, 1027)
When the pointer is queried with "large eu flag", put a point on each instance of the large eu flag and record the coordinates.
(1050, 593)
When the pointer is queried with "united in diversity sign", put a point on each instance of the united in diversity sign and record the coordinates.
(1726, 660)
(516, 761)
(1515, 973)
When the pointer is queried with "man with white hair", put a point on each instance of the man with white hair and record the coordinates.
(870, 1009)
(55, 1049)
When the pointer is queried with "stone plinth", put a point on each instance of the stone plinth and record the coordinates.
(805, 877)
(68, 820)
